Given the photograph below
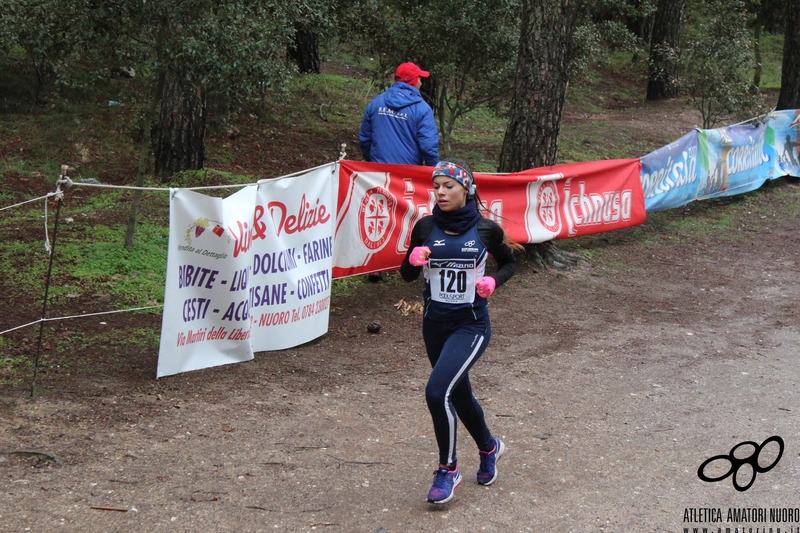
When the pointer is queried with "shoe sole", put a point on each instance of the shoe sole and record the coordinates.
(500, 453)
(452, 492)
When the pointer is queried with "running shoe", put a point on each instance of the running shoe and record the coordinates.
(444, 484)
(487, 473)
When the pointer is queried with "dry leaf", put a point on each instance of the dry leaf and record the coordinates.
(406, 308)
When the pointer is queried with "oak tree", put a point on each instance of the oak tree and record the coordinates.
(789, 97)
(544, 60)
(665, 50)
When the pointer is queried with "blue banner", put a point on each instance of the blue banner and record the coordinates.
(669, 175)
(721, 162)
(733, 160)
(782, 134)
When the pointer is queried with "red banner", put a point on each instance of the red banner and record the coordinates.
(378, 205)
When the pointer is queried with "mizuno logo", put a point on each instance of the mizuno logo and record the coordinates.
(438, 243)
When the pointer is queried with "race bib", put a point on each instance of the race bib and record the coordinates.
(452, 281)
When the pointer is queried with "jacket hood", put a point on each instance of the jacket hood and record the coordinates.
(401, 95)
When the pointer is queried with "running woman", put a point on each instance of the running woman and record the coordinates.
(450, 248)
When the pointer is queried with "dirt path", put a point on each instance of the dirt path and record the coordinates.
(610, 384)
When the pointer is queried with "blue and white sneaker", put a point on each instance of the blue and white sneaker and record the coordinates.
(487, 473)
(444, 484)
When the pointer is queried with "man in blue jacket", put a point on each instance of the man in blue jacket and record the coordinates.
(398, 125)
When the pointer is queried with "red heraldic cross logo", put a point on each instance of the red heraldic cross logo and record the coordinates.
(376, 217)
(547, 200)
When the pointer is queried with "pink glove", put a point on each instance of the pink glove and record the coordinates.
(419, 256)
(485, 286)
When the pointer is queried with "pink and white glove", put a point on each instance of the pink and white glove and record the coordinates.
(485, 286)
(419, 256)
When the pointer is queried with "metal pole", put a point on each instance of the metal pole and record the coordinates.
(47, 282)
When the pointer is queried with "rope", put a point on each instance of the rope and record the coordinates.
(206, 187)
(754, 118)
(47, 247)
(67, 183)
(48, 195)
(62, 180)
(79, 316)
(107, 186)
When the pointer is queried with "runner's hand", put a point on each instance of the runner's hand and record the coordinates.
(419, 256)
(485, 286)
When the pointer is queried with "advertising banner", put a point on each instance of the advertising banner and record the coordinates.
(565, 201)
(782, 132)
(292, 257)
(733, 160)
(720, 162)
(204, 322)
(378, 205)
(669, 175)
(247, 273)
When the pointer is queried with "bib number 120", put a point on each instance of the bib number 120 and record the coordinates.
(452, 281)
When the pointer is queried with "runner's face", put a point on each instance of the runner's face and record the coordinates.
(450, 194)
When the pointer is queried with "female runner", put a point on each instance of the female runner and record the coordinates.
(450, 248)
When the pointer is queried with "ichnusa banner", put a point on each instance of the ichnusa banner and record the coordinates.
(378, 205)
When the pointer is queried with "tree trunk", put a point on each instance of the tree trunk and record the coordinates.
(180, 133)
(305, 52)
(665, 50)
(447, 116)
(644, 30)
(547, 255)
(789, 97)
(646, 26)
(144, 157)
(757, 52)
(540, 88)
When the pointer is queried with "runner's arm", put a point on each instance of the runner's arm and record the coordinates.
(419, 235)
(492, 236)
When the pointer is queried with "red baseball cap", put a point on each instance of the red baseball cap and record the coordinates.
(409, 72)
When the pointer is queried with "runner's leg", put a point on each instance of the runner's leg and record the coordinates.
(452, 350)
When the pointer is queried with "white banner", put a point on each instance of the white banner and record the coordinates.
(247, 273)
(292, 257)
(205, 322)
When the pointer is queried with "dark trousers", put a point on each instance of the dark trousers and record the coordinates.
(453, 347)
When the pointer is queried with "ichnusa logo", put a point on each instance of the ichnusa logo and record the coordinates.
(736, 463)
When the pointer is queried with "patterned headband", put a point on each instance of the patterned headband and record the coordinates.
(460, 174)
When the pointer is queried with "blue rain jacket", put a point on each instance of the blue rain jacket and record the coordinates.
(398, 127)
